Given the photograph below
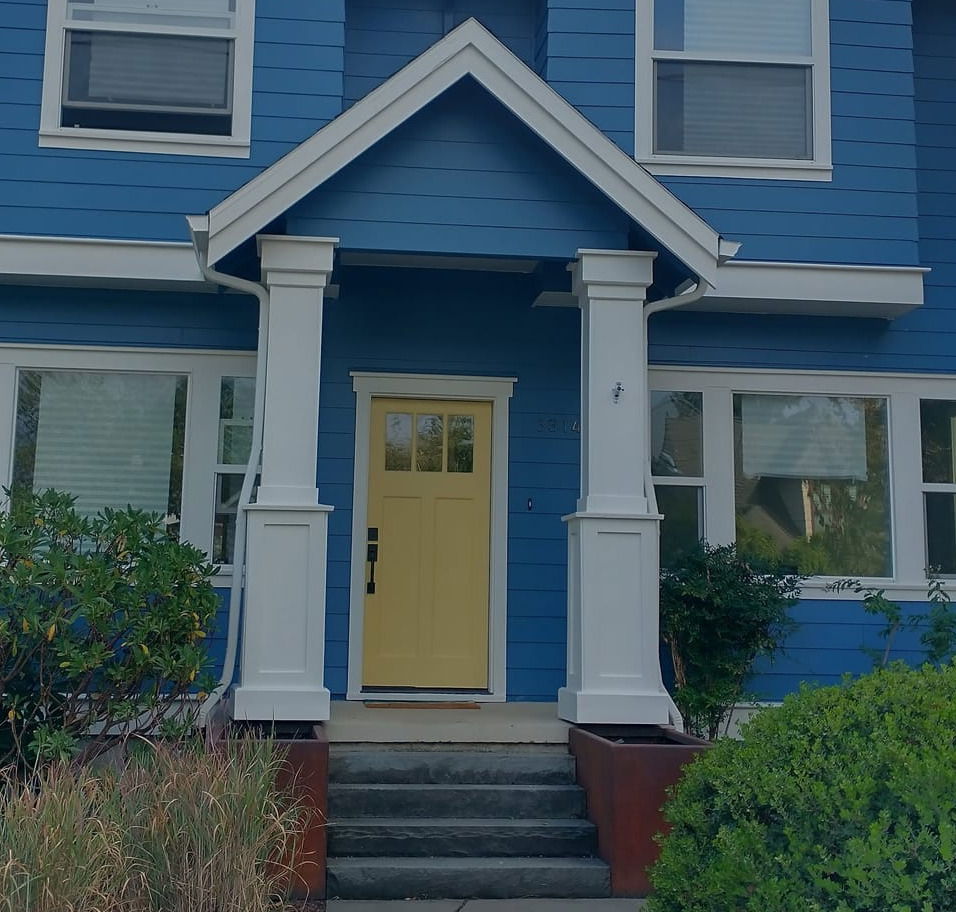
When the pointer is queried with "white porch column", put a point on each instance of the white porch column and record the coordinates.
(614, 671)
(283, 647)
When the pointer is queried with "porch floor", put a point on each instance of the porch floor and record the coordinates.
(487, 723)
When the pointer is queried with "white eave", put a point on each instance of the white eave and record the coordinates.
(99, 262)
(815, 289)
(469, 50)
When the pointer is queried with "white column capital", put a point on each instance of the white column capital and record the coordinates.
(612, 275)
(303, 262)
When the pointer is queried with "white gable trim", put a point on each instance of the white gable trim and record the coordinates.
(469, 50)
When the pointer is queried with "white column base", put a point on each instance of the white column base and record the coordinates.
(283, 649)
(614, 672)
(593, 708)
(250, 704)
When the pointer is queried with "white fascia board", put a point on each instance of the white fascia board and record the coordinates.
(100, 262)
(815, 289)
(469, 50)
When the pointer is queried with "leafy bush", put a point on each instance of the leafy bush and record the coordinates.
(719, 611)
(174, 830)
(102, 624)
(841, 800)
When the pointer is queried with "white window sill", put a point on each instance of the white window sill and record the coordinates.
(912, 591)
(756, 169)
(158, 143)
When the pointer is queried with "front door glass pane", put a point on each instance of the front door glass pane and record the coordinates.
(429, 443)
(398, 442)
(461, 443)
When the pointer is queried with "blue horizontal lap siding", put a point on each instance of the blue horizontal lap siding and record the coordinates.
(852, 637)
(380, 37)
(462, 176)
(588, 57)
(64, 316)
(297, 89)
(464, 323)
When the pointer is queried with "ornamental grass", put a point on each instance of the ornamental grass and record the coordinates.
(173, 830)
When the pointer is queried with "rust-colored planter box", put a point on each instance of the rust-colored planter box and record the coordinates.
(306, 774)
(626, 773)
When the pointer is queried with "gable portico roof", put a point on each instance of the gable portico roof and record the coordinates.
(470, 50)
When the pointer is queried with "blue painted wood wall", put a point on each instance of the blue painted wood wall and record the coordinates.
(297, 89)
(465, 323)
(381, 36)
(463, 175)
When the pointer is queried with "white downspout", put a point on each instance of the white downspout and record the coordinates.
(199, 230)
(656, 307)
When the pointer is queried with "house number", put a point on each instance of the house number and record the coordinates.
(559, 426)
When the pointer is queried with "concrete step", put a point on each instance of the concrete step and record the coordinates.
(453, 837)
(467, 878)
(451, 767)
(423, 800)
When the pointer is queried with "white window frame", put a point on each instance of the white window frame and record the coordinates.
(236, 145)
(902, 392)
(204, 371)
(931, 487)
(819, 168)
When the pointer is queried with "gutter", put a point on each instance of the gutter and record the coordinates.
(199, 231)
(655, 307)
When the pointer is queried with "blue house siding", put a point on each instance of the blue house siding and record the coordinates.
(65, 316)
(589, 58)
(381, 37)
(935, 52)
(851, 638)
(297, 89)
(867, 214)
(464, 323)
(462, 176)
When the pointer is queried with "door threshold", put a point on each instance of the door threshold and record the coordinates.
(449, 704)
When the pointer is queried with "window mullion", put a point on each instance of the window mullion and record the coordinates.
(141, 28)
(719, 506)
(733, 57)
(906, 473)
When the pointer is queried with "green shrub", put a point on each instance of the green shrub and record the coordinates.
(841, 800)
(102, 627)
(719, 611)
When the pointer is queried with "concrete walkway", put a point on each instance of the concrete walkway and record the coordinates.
(489, 905)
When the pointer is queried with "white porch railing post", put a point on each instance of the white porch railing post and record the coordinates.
(283, 647)
(614, 673)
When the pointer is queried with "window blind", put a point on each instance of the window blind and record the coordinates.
(158, 70)
(754, 27)
(106, 438)
(744, 110)
(806, 437)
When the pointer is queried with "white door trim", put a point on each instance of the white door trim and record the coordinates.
(496, 390)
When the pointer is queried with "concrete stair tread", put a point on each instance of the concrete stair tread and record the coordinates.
(451, 822)
(464, 767)
(440, 877)
(452, 863)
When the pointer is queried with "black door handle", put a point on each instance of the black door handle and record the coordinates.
(371, 556)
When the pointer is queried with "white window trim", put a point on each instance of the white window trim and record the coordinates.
(819, 168)
(902, 392)
(52, 135)
(204, 370)
(498, 391)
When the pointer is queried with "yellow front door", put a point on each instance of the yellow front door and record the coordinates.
(429, 506)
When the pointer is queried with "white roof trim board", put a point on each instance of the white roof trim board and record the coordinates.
(469, 50)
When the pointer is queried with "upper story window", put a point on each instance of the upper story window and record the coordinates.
(149, 76)
(734, 87)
